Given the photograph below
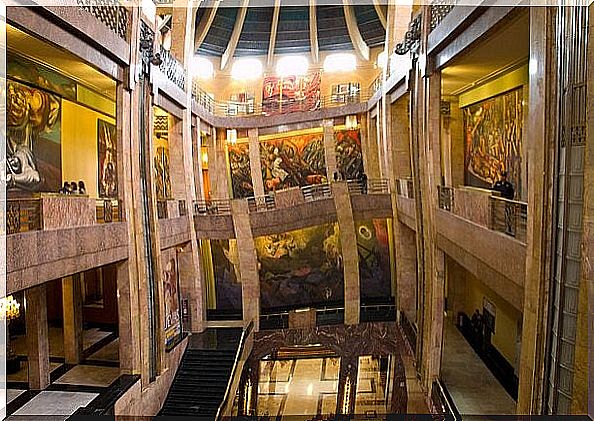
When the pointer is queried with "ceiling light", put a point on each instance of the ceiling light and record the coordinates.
(292, 65)
(382, 60)
(246, 69)
(201, 67)
(340, 62)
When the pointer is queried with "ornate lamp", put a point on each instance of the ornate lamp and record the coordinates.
(10, 310)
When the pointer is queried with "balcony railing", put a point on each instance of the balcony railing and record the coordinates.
(183, 209)
(315, 192)
(372, 186)
(162, 210)
(114, 16)
(442, 401)
(23, 215)
(261, 203)
(250, 108)
(108, 210)
(405, 188)
(172, 68)
(446, 198)
(509, 217)
(212, 207)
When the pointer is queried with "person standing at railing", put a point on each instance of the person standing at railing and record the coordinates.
(504, 187)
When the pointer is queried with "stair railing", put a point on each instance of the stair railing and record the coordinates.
(243, 352)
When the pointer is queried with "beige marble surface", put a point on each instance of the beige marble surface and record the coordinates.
(67, 211)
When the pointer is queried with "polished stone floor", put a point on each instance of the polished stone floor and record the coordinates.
(473, 387)
(56, 403)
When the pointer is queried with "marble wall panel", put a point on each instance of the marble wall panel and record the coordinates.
(174, 231)
(474, 205)
(288, 198)
(67, 211)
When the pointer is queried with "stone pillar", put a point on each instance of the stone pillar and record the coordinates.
(329, 148)
(217, 165)
(400, 137)
(406, 270)
(37, 337)
(369, 146)
(128, 321)
(197, 160)
(350, 255)
(248, 262)
(255, 162)
(72, 314)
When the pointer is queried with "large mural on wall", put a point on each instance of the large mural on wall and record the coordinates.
(225, 259)
(349, 158)
(301, 268)
(288, 94)
(106, 147)
(22, 70)
(33, 153)
(241, 173)
(293, 161)
(493, 140)
(374, 258)
(172, 306)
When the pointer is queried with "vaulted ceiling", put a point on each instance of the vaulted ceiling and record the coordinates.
(291, 28)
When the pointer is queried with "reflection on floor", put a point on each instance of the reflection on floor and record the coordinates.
(469, 381)
(372, 396)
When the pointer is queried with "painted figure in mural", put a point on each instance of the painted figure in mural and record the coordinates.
(232, 255)
(163, 182)
(241, 176)
(349, 157)
(29, 113)
(171, 298)
(108, 186)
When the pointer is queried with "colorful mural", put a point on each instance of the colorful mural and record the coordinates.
(227, 284)
(162, 179)
(493, 140)
(374, 258)
(241, 173)
(33, 153)
(301, 268)
(33, 74)
(291, 93)
(349, 158)
(108, 175)
(293, 161)
(172, 308)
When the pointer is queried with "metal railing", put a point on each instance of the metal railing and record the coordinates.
(110, 13)
(183, 209)
(23, 215)
(162, 210)
(371, 186)
(247, 331)
(509, 217)
(315, 192)
(442, 401)
(405, 188)
(261, 203)
(212, 207)
(108, 210)
(410, 332)
(251, 108)
(446, 198)
(172, 68)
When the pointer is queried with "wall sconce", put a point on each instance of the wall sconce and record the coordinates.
(351, 122)
(232, 136)
(204, 159)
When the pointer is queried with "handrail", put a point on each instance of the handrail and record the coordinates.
(405, 188)
(315, 192)
(261, 203)
(212, 206)
(371, 186)
(244, 335)
(446, 401)
(446, 198)
(509, 217)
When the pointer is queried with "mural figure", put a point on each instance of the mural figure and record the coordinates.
(108, 177)
(241, 173)
(225, 258)
(493, 140)
(293, 161)
(374, 258)
(172, 310)
(33, 160)
(302, 267)
(291, 93)
(349, 158)
(162, 180)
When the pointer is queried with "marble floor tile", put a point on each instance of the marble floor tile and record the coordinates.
(55, 403)
(110, 352)
(90, 375)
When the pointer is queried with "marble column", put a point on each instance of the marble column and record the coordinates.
(406, 270)
(248, 262)
(128, 321)
(72, 315)
(329, 148)
(350, 255)
(369, 146)
(37, 337)
(217, 165)
(255, 162)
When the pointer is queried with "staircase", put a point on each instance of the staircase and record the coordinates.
(200, 383)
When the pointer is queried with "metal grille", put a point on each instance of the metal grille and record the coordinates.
(438, 12)
(172, 68)
(114, 16)
(572, 23)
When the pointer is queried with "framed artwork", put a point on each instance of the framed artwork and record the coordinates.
(106, 146)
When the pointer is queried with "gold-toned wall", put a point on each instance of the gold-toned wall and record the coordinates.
(79, 144)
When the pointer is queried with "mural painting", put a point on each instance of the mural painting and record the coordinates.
(161, 158)
(108, 175)
(374, 258)
(33, 153)
(172, 308)
(293, 161)
(349, 158)
(291, 93)
(301, 268)
(225, 259)
(493, 140)
(241, 173)
(23, 70)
